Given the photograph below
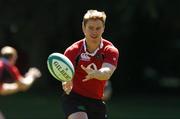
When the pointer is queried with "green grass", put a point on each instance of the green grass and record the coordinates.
(31, 106)
(145, 107)
(47, 105)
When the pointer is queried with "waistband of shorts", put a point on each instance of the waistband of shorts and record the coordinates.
(85, 98)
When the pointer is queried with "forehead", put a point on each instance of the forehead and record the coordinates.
(94, 22)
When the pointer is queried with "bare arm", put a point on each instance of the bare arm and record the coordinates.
(104, 73)
(22, 84)
(26, 82)
(9, 88)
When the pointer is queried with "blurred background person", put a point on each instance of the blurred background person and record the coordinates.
(11, 80)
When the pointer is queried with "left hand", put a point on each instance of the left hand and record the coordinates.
(91, 73)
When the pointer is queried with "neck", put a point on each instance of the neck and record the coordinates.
(91, 47)
(91, 50)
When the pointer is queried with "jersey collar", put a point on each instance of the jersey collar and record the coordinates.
(93, 53)
(4, 60)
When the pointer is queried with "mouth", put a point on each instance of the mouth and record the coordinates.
(94, 36)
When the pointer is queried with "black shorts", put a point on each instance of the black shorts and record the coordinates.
(95, 109)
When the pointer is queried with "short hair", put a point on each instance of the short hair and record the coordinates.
(8, 52)
(94, 14)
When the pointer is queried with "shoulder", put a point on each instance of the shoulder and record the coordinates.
(4, 63)
(73, 51)
(1, 63)
(108, 46)
(75, 46)
(111, 53)
(106, 42)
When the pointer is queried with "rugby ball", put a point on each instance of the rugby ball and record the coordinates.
(60, 67)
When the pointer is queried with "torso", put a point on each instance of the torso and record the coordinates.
(8, 73)
(93, 88)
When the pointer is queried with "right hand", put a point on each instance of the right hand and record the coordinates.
(34, 72)
(67, 86)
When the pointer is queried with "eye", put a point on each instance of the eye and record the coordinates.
(98, 28)
(90, 27)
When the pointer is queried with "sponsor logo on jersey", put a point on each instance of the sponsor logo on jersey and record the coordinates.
(85, 57)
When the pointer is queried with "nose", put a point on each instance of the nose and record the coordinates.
(94, 32)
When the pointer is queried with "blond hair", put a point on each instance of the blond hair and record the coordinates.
(8, 52)
(94, 14)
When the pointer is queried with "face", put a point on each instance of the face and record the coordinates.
(13, 60)
(93, 31)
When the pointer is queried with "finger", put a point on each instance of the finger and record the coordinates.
(67, 90)
(87, 69)
(67, 93)
(84, 80)
(87, 78)
(84, 68)
(64, 83)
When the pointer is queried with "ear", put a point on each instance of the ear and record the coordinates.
(103, 30)
(83, 28)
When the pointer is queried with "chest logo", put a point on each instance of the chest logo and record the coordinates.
(85, 57)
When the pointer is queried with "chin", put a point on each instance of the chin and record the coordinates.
(94, 40)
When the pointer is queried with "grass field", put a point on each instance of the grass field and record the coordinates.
(48, 106)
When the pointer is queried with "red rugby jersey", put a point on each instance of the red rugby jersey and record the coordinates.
(11, 73)
(8, 73)
(79, 56)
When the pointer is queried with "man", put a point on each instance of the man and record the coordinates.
(95, 59)
(11, 81)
